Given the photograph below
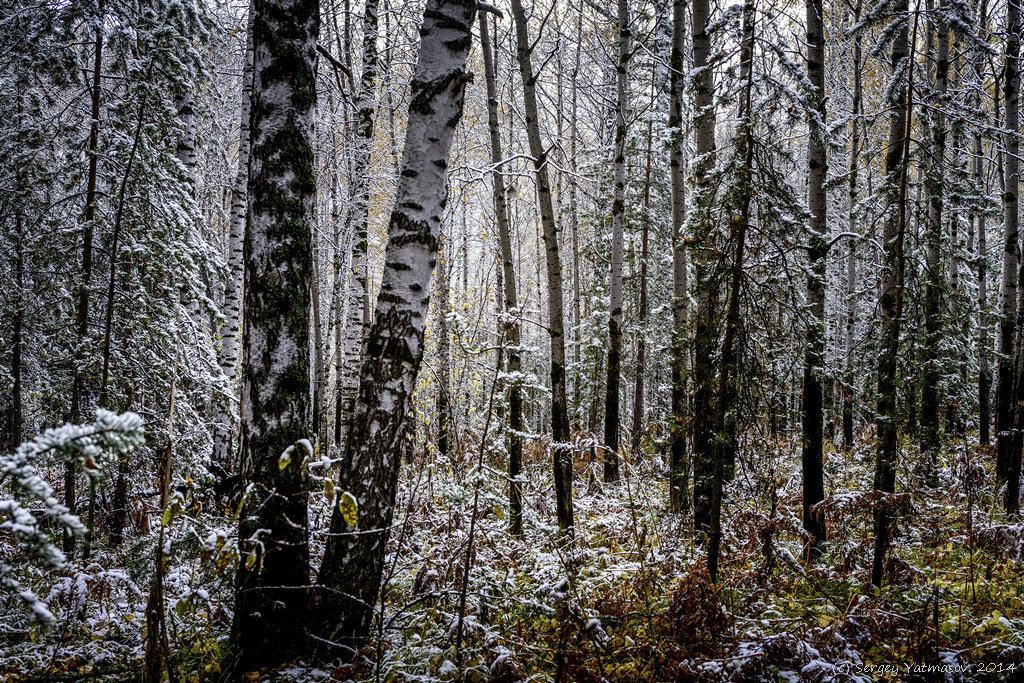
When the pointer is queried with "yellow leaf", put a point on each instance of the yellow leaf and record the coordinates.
(328, 490)
(285, 458)
(250, 559)
(349, 508)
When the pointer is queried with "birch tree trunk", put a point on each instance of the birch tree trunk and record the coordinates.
(814, 353)
(611, 401)
(341, 251)
(679, 471)
(272, 584)
(318, 349)
(574, 216)
(359, 293)
(978, 171)
(224, 453)
(851, 258)
(511, 326)
(890, 302)
(353, 562)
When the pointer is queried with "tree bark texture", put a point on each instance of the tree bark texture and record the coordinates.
(272, 584)
(353, 563)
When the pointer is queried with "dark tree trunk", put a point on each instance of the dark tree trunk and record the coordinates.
(814, 354)
(120, 490)
(88, 227)
(1011, 249)
(353, 564)
(641, 343)
(891, 300)
(934, 183)
(679, 491)
(444, 409)
(556, 323)
(726, 427)
(272, 584)
(1011, 449)
(15, 416)
(611, 401)
(705, 333)
(511, 326)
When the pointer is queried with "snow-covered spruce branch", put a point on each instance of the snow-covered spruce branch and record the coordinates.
(32, 501)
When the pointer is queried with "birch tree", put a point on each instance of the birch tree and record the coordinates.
(359, 294)
(271, 604)
(611, 404)
(350, 574)
(223, 451)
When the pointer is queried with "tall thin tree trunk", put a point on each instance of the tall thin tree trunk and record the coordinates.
(556, 323)
(611, 402)
(1011, 247)
(891, 300)
(511, 325)
(224, 452)
(359, 292)
(88, 227)
(679, 491)
(641, 344)
(817, 252)
(1011, 449)
(851, 258)
(157, 647)
(444, 372)
(955, 422)
(272, 582)
(724, 447)
(978, 172)
(574, 216)
(338, 304)
(15, 414)
(353, 563)
(705, 333)
(319, 373)
(935, 189)
(120, 487)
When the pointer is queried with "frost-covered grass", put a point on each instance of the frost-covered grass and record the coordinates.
(626, 600)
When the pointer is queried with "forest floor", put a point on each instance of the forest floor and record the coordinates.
(627, 601)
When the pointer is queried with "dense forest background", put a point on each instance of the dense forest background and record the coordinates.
(658, 340)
